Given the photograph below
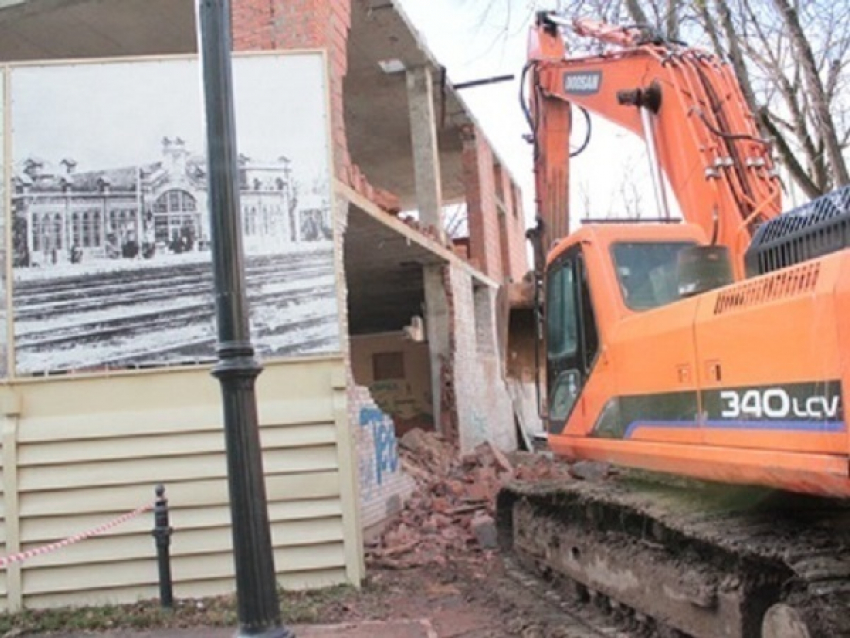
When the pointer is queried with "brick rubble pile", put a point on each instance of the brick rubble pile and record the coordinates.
(451, 512)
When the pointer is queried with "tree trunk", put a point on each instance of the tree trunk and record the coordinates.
(815, 87)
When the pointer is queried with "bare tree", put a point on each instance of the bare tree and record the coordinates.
(793, 63)
(791, 58)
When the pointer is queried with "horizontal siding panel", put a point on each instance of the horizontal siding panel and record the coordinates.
(307, 459)
(284, 535)
(121, 424)
(309, 557)
(312, 532)
(316, 408)
(125, 472)
(202, 466)
(291, 581)
(61, 409)
(196, 493)
(103, 501)
(97, 551)
(91, 449)
(295, 581)
(217, 516)
(44, 530)
(115, 449)
(145, 421)
(302, 486)
(288, 559)
(279, 436)
(156, 447)
(91, 597)
(71, 578)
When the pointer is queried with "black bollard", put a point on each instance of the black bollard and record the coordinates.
(162, 533)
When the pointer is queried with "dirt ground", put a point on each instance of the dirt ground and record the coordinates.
(472, 598)
(436, 562)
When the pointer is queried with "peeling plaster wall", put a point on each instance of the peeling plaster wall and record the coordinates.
(406, 399)
(384, 486)
(483, 405)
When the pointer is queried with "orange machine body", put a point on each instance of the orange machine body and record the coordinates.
(743, 384)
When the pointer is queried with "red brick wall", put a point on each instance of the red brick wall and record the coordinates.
(275, 25)
(515, 239)
(496, 231)
(482, 214)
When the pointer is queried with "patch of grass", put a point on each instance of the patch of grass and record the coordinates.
(296, 607)
(311, 607)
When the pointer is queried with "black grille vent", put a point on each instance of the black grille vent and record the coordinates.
(815, 229)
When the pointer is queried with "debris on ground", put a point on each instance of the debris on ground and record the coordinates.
(451, 513)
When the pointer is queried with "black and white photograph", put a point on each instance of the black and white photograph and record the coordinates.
(111, 239)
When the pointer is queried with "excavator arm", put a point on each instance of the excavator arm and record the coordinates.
(685, 103)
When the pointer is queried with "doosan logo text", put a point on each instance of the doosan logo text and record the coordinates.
(585, 83)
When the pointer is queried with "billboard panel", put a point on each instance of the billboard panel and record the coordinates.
(111, 228)
(4, 221)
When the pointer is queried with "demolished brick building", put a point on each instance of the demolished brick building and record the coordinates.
(419, 343)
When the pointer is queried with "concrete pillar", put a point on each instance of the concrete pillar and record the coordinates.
(437, 326)
(426, 157)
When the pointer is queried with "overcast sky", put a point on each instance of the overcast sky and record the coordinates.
(477, 39)
(116, 114)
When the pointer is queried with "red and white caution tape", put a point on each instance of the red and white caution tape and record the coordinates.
(76, 538)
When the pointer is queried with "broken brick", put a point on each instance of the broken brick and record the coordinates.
(451, 513)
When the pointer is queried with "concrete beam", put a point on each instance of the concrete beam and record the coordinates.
(426, 157)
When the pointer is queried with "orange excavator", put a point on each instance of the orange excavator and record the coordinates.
(709, 351)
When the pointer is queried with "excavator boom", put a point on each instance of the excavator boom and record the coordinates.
(684, 102)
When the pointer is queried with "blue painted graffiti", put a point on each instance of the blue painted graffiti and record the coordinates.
(384, 441)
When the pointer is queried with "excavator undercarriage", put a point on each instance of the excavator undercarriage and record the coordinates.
(687, 558)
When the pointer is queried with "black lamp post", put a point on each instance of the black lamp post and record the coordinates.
(237, 369)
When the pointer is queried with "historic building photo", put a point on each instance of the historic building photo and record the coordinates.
(111, 233)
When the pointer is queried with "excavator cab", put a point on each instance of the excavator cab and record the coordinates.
(649, 267)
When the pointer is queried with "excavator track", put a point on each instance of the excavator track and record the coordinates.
(687, 559)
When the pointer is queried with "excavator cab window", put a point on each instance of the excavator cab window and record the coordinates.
(648, 272)
(572, 340)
